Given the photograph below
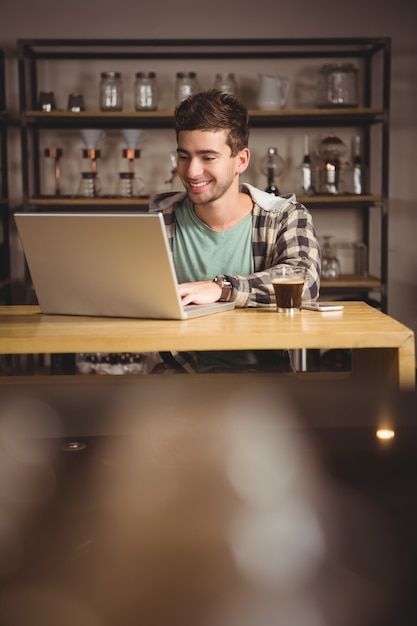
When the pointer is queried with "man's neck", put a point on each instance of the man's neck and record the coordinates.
(224, 212)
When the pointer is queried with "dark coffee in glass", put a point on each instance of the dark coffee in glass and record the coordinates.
(288, 293)
(288, 285)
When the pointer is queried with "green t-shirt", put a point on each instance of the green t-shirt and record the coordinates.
(200, 253)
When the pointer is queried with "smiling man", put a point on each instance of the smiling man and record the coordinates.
(226, 236)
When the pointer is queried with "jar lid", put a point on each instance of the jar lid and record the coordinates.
(338, 67)
(126, 175)
(110, 74)
(186, 74)
(88, 175)
(145, 74)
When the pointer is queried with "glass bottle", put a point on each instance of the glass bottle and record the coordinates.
(185, 85)
(226, 83)
(358, 170)
(146, 96)
(306, 170)
(111, 92)
(330, 264)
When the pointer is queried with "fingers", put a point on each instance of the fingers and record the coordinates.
(201, 292)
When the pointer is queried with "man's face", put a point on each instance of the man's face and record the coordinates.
(206, 166)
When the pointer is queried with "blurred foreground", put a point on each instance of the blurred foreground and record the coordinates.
(218, 500)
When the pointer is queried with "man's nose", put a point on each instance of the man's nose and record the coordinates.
(195, 168)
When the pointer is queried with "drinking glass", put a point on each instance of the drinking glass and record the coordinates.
(330, 264)
(288, 283)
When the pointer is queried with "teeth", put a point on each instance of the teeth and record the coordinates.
(198, 184)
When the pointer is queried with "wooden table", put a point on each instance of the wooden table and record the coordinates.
(382, 348)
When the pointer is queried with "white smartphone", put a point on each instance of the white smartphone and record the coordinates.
(321, 306)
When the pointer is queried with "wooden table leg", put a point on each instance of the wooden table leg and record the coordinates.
(390, 366)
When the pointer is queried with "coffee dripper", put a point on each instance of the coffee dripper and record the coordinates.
(272, 166)
(128, 184)
(174, 178)
(133, 137)
(89, 184)
(91, 138)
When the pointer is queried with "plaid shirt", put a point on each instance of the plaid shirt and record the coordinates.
(282, 232)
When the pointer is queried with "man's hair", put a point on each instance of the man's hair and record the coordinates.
(214, 110)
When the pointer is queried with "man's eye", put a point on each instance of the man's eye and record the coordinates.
(209, 158)
(182, 157)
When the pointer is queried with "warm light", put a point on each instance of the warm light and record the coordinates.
(73, 446)
(385, 434)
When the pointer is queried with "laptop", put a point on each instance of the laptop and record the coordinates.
(104, 264)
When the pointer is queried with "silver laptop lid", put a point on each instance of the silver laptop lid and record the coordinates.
(103, 264)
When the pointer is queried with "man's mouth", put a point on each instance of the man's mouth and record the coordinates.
(199, 185)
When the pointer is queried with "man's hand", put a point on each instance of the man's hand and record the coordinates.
(201, 292)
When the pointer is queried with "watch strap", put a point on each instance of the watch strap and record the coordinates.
(226, 287)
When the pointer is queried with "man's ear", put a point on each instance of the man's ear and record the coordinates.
(243, 159)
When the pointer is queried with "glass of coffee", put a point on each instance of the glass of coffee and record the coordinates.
(288, 284)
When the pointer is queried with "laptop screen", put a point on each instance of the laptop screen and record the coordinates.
(116, 265)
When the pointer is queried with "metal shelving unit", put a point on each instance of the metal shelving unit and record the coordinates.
(5, 282)
(373, 113)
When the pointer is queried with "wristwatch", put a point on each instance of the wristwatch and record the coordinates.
(226, 286)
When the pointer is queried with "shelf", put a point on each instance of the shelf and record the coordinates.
(310, 201)
(351, 281)
(351, 116)
(290, 48)
(331, 201)
(60, 202)
(164, 119)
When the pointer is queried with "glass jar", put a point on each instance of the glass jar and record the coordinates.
(146, 96)
(338, 85)
(185, 85)
(226, 83)
(111, 91)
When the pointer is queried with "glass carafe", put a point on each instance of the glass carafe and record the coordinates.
(330, 264)
(129, 185)
(89, 186)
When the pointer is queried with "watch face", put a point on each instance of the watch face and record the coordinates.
(223, 282)
(226, 287)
